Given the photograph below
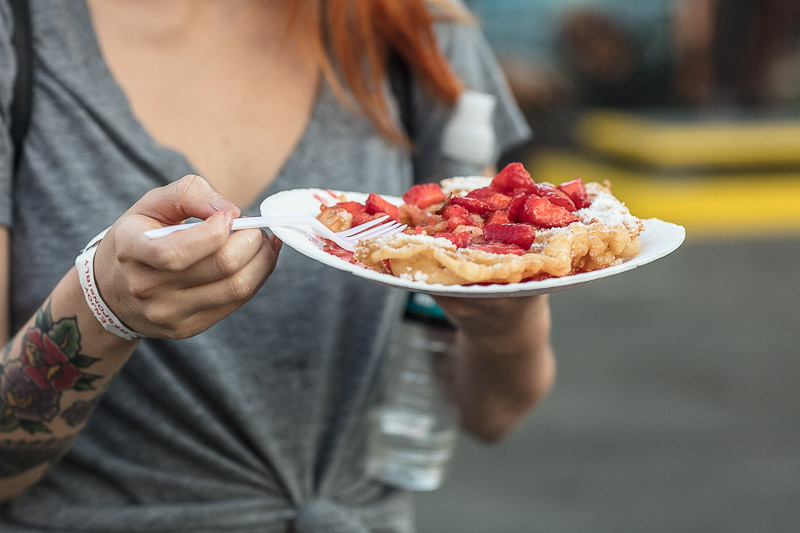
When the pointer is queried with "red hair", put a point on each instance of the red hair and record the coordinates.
(357, 36)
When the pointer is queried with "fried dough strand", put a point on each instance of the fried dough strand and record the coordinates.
(576, 248)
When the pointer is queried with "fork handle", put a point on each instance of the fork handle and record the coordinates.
(238, 223)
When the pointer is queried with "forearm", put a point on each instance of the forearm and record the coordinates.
(53, 371)
(503, 369)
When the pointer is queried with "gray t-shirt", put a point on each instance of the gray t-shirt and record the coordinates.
(259, 422)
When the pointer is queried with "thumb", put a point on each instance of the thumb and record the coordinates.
(190, 196)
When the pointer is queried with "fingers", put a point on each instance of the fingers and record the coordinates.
(276, 243)
(181, 284)
(182, 249)
(239, 249)
(162, 304)
(184, 283)
(191, 310)
(238, 287)
(190, 196)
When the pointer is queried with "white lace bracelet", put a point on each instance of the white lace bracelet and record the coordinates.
(84, 263)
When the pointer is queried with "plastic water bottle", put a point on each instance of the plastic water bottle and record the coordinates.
(414, 430)
(416, 426)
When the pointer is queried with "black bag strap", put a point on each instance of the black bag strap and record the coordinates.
(23, 84)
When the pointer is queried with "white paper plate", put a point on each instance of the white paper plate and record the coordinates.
(658, 239)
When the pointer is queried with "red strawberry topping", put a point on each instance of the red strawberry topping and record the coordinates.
(461, 239)
(498, 217)
(353, 208)
(458, 220)
(521, 235)
(513, 176)
(454, 210)
(376, 204)
(577, 192)
(498, 201)
(498, 248)
(515, 206)
(555, 196)
(424, 195)
(457, 216)
(473, 205)
(364, 217)
(502, 218)
(542, 212)
(482, 193)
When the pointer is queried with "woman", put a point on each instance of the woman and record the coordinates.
(256, 423)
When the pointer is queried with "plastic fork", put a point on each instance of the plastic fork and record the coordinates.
(347, 239)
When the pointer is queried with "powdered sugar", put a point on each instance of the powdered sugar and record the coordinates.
(405, 238)
(413, 276)
(464, 184)
(606, 209)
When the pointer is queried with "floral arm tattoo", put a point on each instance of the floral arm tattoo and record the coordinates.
(49, 363)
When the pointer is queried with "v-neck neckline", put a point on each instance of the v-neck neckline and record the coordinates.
(154, 148)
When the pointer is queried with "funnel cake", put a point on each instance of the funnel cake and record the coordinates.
(505, 229)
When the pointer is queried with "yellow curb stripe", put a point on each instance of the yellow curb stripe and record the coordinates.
(719, 205)
(687, 144)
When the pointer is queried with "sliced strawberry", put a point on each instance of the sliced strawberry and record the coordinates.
(482, 193)
(365, 217)
(424, 195)
(353, 208)
(460, 239)
(521, 235)
(555, 196)
(498, 248)
(458, 220)
(513, 176)
(515, 206)
(542, 212)
(473, 205)
(376, 204)
(498, 217)
(498, 201)
(454, 210)
(576, 192)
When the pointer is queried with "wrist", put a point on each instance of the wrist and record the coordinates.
(496, 317)
(523, 330)
(84, 265)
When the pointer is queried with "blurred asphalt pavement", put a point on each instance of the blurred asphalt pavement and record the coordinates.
(676, 407)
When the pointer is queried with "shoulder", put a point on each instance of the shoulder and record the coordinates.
(453, 23)
(466, 49)
(463, 42)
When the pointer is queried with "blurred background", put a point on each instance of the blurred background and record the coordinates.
(677, 404)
